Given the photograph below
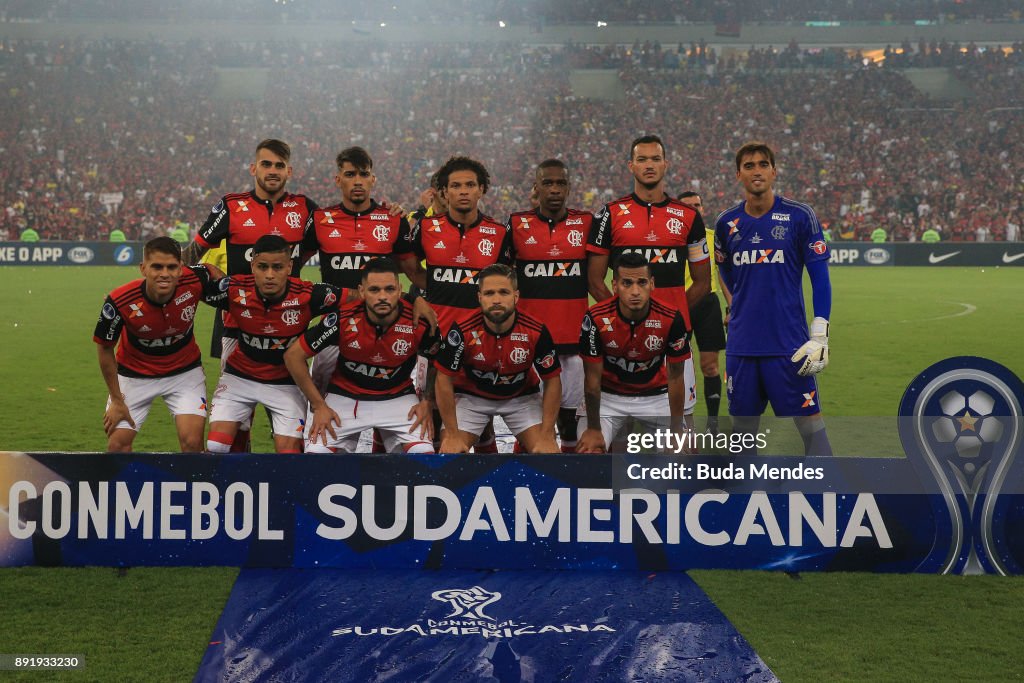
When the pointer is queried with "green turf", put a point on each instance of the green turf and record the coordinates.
(149, 624)
(876, 627)
(888, 324)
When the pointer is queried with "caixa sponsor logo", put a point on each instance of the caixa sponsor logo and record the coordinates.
(877, 256)
(81, 255)
(467, 617)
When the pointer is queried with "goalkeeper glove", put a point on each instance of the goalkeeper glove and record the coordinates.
(813, 356)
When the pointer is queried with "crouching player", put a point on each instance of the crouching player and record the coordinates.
(149, 320)
(488, 366)
(272, 310)
(625, 343)
(371, 385)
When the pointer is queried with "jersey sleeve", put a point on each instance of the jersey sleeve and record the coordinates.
(215, 292)
(430, 341)
(678, 340)
(591, 347)
(322, 335)
(697, 241)
(505, 255)
(403, 244)
(600, 240)
(324, 299)
(811, 239)
(449, 356)
(722, 250)
(310, 241)
(109, 325)
(416, 239)
(545, 357)
(214, 229)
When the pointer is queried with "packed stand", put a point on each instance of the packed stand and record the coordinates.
(98, 136)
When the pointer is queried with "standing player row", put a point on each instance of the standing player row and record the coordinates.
(560, 255)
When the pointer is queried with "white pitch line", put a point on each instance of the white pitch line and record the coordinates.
(968, 309)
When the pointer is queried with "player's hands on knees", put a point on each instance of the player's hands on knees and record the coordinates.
(116, 413)
(813, 356)
(591, 441)
(422, 416)
(453, 442)
(545, 443)
(324, 419)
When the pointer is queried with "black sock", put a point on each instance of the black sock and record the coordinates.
(713, 394)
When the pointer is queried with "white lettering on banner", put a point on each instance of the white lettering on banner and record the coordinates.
(638, 510)
(102, 505)
(177, 510)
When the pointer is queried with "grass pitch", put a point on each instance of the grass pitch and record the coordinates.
(888, 324)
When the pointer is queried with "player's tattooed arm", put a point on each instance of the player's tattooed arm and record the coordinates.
(597, 270)
(191, 254)
(591, 440)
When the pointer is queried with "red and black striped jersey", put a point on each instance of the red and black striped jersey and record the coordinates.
(551, 265)
(154, 340)
(268, 328)
(492, 365)
(374, 362)
(634, 351)
(455, 253)
(347, 240)
(667, 234)
(242, 218)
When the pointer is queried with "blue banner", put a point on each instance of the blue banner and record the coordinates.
(70, 253)
(393, 625)
(955, 504)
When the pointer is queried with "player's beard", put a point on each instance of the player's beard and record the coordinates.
(647, 185)
(263, 185)
(377, 316)
(498, 316)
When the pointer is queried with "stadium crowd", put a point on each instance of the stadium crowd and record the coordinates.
(534, 12)
(140, 137)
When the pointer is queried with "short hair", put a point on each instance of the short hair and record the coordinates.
(455, 164)
(357, 156)
(381, 264)
(630, 259)
(163, 245)
(278, 147)
(754, 147)
(499, 269)
(645, 140)
(552, 163)
(686, 194)
(270, 244)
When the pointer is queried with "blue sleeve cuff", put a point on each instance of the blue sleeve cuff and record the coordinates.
(821, 289)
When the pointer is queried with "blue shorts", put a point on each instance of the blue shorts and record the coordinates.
(755, 381)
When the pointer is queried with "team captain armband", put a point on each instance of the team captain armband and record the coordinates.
(697, 251)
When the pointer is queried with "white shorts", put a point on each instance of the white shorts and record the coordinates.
(519, 414)
(227, 347)
(690, 380)
(572, 380)
(616, 412)
(419, 374)
(323, 367)
(390, 417)
(236, 397)
(184, 394)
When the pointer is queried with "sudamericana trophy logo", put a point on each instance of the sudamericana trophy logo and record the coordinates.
(961, 420)
(468, 618)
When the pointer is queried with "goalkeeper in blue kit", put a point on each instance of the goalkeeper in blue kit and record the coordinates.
(762, 246)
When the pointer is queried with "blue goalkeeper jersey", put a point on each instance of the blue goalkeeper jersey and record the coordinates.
(763, 258)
